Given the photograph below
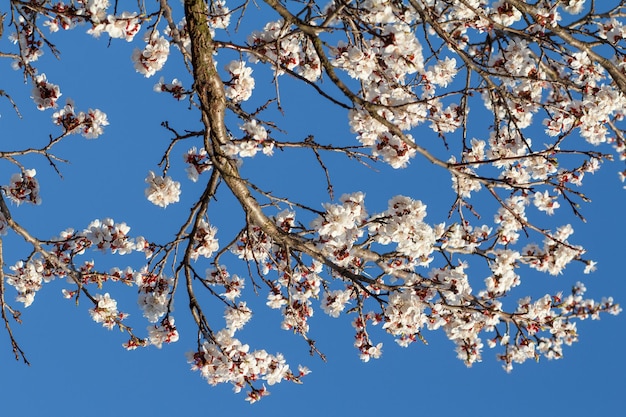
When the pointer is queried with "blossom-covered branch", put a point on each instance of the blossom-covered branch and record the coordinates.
(474, 75)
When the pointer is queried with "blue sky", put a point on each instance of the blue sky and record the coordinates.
(80, 369)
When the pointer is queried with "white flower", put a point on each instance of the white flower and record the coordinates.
(164, 333)
(205, 242)
(545, 202)
(237, 317)
(373, 352)
(125, 26)
(198, 163)
(275, 300)
(162, 191)
(154, 55)
(93, 123)
(96, 9)
(175, 88)
(44, 93)
(27, 279)
(254, 130)
(334, 302)
(574, 6)
(504, 14)
(590, 267)
(23, 188)
(240, 87)
(219, 15)
(443, 72)
(108, 235)
(105, 311)
(153, 295)
(403, 224)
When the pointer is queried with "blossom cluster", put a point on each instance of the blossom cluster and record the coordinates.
(90, 124)
(153, 56)
(254, 244)
(256, 139)
(154, 292)
(375, 135)
(285, 50)
(175, 88)
(45, 94)
(28, 277)
(219, 15)
(125, 26)
(383, 67)
(239, 87)
(340, 227)
(24, 187)
(362, 340)
(104, 235)
(556, 253)
(205, 242)
(165, 332)
(302, 286)
(105, 311)
(554, 312)
(444, 298)
(403, 224)
(405, 315)
(162, 191)
(233, 284)
(225, 359)
(198, 162)
(334, 302)
(28, 43)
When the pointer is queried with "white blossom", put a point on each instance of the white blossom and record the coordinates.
(45, 94)
(205, 242)
(24, 187)
(105, 311)
(241, 84)
(153, 56)
(162, 191)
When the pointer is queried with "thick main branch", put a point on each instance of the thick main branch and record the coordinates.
(210, 90)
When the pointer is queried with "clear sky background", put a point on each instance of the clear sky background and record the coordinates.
(80, 369)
